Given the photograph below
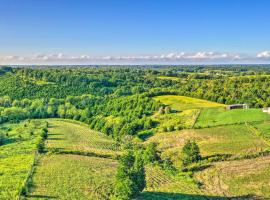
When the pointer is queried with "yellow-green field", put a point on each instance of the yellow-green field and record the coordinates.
(70, 136)
(238, 178)
(185, 103)
(71, 176)
(16, 157)
(169, 78)
(185, 119)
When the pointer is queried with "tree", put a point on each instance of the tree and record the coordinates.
(150, 154)
(190, 153)
(130, 176)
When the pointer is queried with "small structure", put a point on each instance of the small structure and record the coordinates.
(266, 110)
(237, 106)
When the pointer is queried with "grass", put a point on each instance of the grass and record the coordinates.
(238, 178)
(185, 103)
(70, 176)
(169, 78)
(232, 140)
(264, 129)
(16, 157)
(184, 119)
(220, 116)
(69, 136)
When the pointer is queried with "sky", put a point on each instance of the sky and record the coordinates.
(134, 31)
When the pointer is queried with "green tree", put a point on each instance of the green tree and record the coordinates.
(150, 153)
(130, 177)
(190, 153)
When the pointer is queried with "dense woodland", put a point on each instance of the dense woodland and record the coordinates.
(117, 100)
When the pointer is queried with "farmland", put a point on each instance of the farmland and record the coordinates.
(90, 175)
(133, 134)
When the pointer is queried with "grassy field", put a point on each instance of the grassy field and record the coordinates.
(169, 78)
(16, 157)
(184, 119)
(220, 116)
(238, 178)
(263, 129)
(185, 103)
(235, 140)
(69, 176)
(72, 177)
(69, 136)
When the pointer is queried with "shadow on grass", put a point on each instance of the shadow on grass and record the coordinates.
(176, 196)
(10, 141)
(54, 138)
(41, 197)
(55, 134)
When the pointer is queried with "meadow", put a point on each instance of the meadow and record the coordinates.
(17, 156)
(68, 135)
(219, 116)
(185, 103)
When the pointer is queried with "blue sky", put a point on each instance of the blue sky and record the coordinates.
(129, 31)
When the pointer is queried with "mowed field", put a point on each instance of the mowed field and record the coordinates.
(64, 173)
(67, 135)
(219, 116)
(238, 178)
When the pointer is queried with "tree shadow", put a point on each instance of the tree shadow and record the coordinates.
(41, 197)
(54, 138)
(176, 196)
(9, 141)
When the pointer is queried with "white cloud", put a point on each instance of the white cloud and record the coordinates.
(174, 57)
(264, 54)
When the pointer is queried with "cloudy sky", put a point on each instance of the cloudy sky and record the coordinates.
(134, 32)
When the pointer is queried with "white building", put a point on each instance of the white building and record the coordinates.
(266, 110)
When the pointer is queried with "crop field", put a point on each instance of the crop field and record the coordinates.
(69, 136)
(220, 116)
(185, 103)
(237, 178)
(16, 157)
(161, 185)
(71, 176)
